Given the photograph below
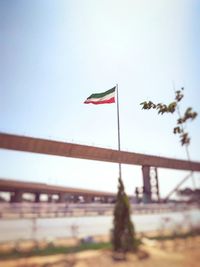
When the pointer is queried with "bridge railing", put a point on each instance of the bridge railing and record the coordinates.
(53, 209)
(28, 210)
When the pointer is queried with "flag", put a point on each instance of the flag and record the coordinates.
(107, 97)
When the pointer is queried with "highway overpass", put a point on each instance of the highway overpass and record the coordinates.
(63, 194)
(58, 148)
(65, 149)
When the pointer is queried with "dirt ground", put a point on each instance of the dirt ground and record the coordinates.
(177, 253)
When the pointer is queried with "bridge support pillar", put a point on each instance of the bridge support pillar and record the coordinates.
(49, 198)
(17, 197)
(155, 191)
(37, 197)
(62, 198)
(146, 184)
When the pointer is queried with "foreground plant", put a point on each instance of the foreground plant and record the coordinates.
(123, 236)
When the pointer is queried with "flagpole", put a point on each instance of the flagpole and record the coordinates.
(118, 128)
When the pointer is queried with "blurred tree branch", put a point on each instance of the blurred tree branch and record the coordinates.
(189, 115)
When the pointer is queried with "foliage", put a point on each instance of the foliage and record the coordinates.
(189, 114)
(123, 236)
(190, 233)
(51, 250)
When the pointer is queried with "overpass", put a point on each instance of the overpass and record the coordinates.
(65, 149)
(63, 194)
(57, 148)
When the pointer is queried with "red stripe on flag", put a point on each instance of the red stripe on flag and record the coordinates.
(108, 101)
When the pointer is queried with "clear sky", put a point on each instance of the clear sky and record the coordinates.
(55, 53)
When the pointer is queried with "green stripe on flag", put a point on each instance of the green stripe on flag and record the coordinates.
(99, 95)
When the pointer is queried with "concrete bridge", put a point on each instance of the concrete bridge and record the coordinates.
(52, 193)
(58, 148)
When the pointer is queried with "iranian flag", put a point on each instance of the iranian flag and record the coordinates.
(107, 97)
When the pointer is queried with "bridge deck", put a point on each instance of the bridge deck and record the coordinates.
(30, 187)
(50, 147)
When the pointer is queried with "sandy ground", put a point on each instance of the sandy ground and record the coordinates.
(177, 253)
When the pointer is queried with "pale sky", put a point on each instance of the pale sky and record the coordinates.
(55, 53)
